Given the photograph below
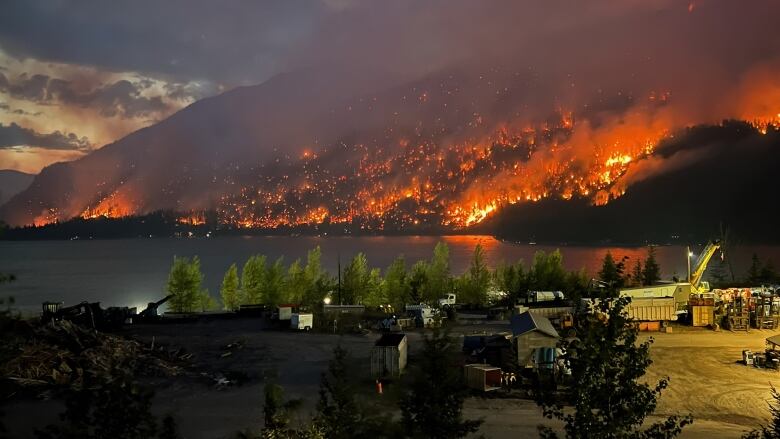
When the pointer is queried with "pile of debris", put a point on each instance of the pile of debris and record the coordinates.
(61, 353)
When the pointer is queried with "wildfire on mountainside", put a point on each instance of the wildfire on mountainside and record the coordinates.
(428, 183)
(444, 175)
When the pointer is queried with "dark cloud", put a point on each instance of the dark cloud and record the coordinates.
(226, 42)
(21, 112)
(18, 111)
(14, 135)
(121, 98)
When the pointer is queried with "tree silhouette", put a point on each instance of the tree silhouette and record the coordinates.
(607, 395)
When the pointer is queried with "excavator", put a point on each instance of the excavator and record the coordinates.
(91, 315)
(697, 272)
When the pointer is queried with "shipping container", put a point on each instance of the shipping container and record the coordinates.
(482, 377)
(388, 356)
(702, 315)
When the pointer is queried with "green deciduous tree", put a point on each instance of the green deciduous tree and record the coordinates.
(547, 272)
(296, 283)
(433, 406)
(418, 279)
(651, 273)
(253, 280)
(512, 279)
(318, 282)
(608, 396)
(274, 283)
(206, 302)
(374, 295)
(396, 284)
(438, 281)
(355, 280)
(231, 298)
(476, 281)
(184, 283)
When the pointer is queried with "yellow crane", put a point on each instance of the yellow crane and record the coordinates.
(695, 274)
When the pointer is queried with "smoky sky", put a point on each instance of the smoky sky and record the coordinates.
(134, 63)
(247, 42)
(234, 42)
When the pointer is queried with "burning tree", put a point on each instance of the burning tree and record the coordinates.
(606, 363)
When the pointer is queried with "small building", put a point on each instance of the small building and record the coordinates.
(336, 310)
(493, 349)
(482, 377)
(531, 332)
(388, 356)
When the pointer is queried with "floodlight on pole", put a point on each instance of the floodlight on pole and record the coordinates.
(690, 255)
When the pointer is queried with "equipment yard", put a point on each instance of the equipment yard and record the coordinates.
(708, 380)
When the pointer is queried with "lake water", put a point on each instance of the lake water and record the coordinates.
(133, 272)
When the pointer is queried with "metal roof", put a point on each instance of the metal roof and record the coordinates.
(390, 340)
(775, 339)
(527, 322)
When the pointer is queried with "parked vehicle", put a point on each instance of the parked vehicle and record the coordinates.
(423, 315)
(302, 322)
(448, 300)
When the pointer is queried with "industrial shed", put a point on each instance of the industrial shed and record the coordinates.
(531, 332)
(482, 377)
(388, 356)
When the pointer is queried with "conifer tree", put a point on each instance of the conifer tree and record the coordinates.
(433, 406)
(651, 273)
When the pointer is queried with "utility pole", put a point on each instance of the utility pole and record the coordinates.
(339, 264)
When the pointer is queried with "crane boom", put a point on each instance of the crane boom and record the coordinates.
(701, 264)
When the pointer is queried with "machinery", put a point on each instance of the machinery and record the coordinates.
(91, 315)
(698, 269)
(86, 314)
(150, 312)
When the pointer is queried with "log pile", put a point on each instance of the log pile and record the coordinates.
(61, 353)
